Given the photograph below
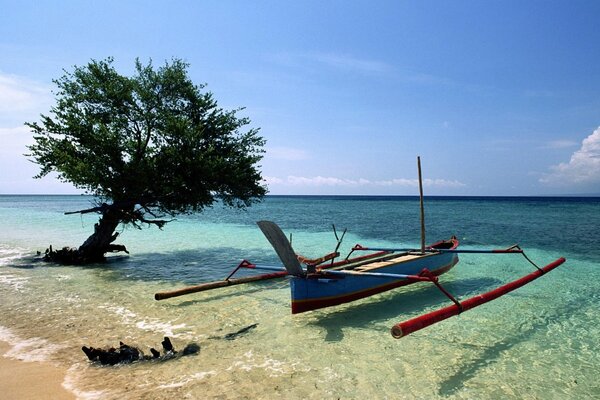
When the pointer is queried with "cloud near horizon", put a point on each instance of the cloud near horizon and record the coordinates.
(321, 181)
(582, 169)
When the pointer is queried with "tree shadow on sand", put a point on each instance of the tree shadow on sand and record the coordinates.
(182, 266)
(188, 266)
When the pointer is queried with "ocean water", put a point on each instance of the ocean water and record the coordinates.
(539, 342)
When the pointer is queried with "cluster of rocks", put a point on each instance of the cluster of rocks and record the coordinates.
(128, 354)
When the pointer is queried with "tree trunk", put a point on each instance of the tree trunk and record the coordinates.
(100, 242)
(95, 246)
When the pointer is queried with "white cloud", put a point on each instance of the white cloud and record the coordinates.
(321, 181)
(349, 63)
(272, 180)
(315, 62)
(340, 62)
(15, 131)
(14, 142)
(440, 183)
(21, 99)
(582, 169)
(559, 144)
(22, 96)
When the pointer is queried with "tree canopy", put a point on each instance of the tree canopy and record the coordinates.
(148, 146)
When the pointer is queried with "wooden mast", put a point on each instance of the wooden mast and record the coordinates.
(421, 204)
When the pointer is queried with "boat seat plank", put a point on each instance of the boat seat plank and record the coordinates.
(357, 264)
(385, 263)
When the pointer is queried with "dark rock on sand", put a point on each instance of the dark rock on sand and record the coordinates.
(127, 354)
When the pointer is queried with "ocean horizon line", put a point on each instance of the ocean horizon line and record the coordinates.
(363, 196)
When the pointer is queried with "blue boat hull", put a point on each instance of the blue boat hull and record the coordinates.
(323, 289)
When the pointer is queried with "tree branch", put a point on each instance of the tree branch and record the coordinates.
(100, 209)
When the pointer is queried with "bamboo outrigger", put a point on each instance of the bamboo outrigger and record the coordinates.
(325, 282)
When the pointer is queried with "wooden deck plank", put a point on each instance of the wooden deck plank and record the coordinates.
(363, 262)
(385, 263)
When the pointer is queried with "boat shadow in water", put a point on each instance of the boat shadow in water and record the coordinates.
(190, 266)
(220, 294)
(526, 331)
(394, 305)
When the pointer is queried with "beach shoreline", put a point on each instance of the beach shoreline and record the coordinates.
(22, 380)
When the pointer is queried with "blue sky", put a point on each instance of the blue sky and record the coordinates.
(497, 97)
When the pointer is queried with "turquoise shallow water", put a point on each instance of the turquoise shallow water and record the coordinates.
(541, 341)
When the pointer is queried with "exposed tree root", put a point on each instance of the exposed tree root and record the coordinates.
(72, 256)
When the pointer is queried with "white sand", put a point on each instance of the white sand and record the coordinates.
(21, 380)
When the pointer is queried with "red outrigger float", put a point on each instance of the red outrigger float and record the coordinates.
(324, 282)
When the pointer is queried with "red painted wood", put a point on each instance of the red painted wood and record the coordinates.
(412, 325)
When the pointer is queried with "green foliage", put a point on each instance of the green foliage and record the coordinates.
(153, 143)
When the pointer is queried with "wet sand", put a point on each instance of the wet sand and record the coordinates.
(20, 380)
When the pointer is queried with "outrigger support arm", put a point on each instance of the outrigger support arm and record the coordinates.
(229, 281)
(435, 280)
(412, 325)
(515, 249)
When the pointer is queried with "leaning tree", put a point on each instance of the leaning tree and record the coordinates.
(147, 147)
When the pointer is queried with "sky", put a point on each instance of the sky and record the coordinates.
(498, 98)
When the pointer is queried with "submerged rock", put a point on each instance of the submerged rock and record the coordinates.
(127, 354)
(191, 348)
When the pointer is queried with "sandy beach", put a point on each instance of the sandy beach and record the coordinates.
(20, 380)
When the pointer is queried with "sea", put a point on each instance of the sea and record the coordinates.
(541, 341)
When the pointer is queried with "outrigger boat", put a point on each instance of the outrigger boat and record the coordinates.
(355, 278)
(324, 282)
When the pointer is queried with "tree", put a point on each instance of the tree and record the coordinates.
(148, 147)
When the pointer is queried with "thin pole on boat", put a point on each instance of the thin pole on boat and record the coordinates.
(421, 204)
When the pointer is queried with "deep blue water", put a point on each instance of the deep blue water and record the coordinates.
(570, 224)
